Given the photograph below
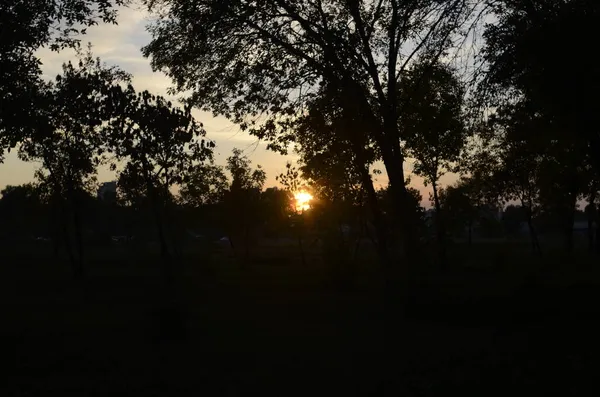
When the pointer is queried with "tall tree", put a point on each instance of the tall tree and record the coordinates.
(335, 158)
(458, 202)
(433, 122)
(248, 58)
(70, 117)
(522, 69)
(160, 144)
(242, 199)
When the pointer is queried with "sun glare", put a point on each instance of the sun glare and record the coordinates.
(303, 200)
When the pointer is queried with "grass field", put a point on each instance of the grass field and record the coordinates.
(500, 321)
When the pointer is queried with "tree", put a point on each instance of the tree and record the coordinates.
(70, 117)
(513, 217)
(205, 184)
(293, 184)
(22, 210)
(242, 199)
(243, 177)
(248, 58)
(26, 26)
(520, 53)
(335, 158)
(522, 71)
(387, 205)
(531, 166)
(277, 207)
(462, 202)
(161, 145)
(433, 124)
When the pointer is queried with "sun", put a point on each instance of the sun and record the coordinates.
(303, 200)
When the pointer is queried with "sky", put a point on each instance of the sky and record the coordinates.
(121, 45)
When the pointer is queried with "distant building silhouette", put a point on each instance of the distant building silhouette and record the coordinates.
(108, 192)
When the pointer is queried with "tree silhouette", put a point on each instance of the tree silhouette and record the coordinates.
(558, 94)
(293, 184)
(335, 157)
(71, 116)
(161, 145)
(242, 199)
(462, 210)
(28, 25)
(21, 211)
(205, 184)
(277, 207)
(433, 122)
(519, 50)
(243, 58)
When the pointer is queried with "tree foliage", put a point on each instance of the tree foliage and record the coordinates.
(433, 120)
(244, 58)
(26, 26)
(160, 144)
(205, 184)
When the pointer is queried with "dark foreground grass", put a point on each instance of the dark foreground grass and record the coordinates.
(498, 323)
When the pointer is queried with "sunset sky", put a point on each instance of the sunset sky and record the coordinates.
(120, 45)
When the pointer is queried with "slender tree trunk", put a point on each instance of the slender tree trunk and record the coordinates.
(440, 226)
(64, 226)
(162, 239)
(231, 242)
(470, 232)
(54, 225)
(68, 246)
(358, 240)
(246, 242)
(591, 213)
(378, 218)
(535, 244)
(78, 231)
(78, 242)
(300, 245)
(165, 254)
(597, 231)
(569, 223)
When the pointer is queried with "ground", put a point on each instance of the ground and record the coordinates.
(270, 325)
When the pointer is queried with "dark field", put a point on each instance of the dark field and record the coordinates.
(497, 323)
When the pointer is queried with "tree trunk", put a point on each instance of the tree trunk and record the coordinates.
(569, 224)
(358, 240)
(597, 231)
(78, 242)
(300, 228)
(440, 226)
(535, 244)
(590, 224)
(68, 246)
(378, 218)
(54, 226)
(470, 232)
(246, 242)
(165, 255)
(157, 207)
(78, 232)
(403, 216)
(64, 226)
